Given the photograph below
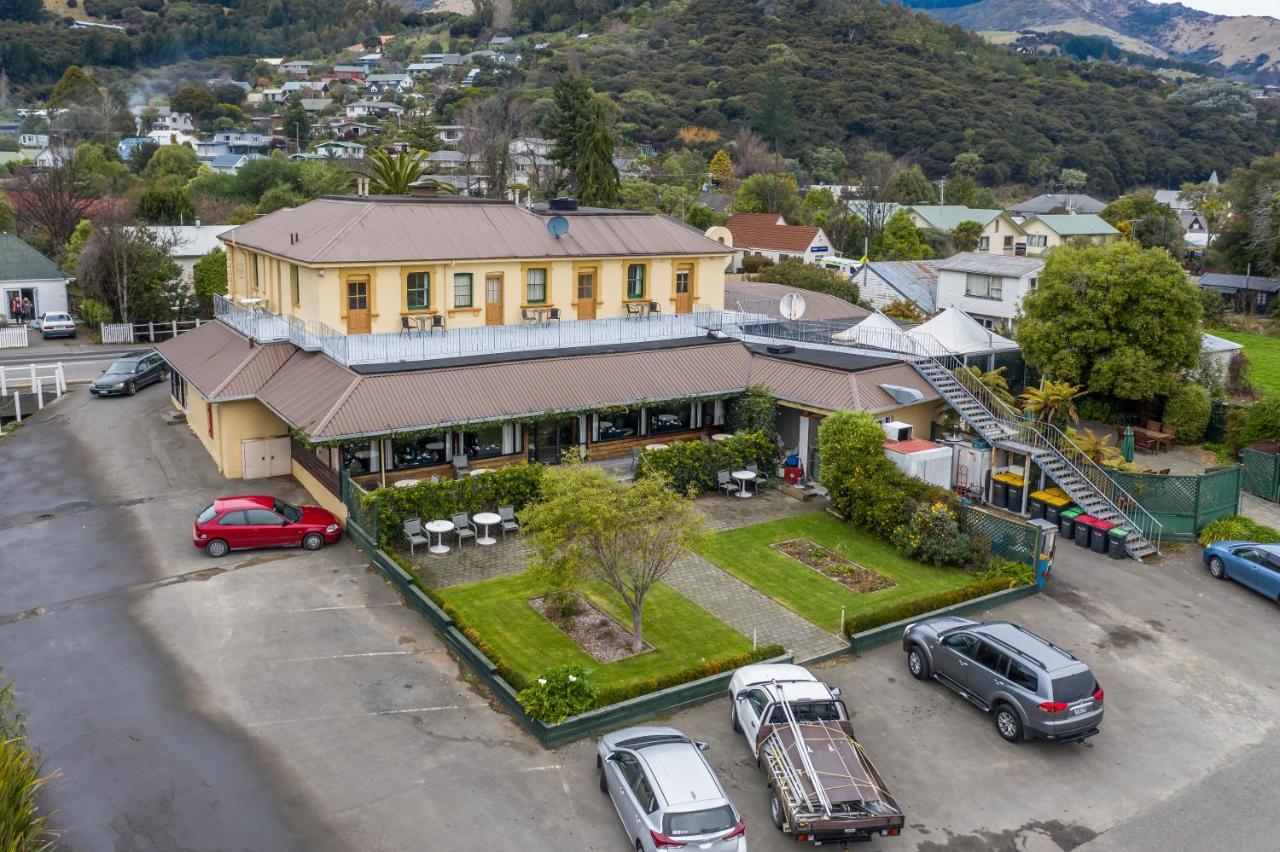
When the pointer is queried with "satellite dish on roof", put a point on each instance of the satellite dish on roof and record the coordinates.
(558, 226)
(792, 306)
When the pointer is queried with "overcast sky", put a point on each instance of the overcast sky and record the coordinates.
(1233, 7)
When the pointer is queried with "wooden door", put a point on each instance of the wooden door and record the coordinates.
(586, 294)
(358, 306)
(684, 290)
(493, 300)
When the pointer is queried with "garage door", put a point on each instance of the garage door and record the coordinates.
(266, 457)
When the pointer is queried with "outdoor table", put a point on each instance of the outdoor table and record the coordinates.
(439, 528)
(485, 519)
(655, 446)
(1161, 439)
(668, 418)
(421, 323)
(478, 471)
(407, 483)
(721, 436)
(743, 477)
(541, 313)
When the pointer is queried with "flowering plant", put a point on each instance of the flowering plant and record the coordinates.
(561, 692)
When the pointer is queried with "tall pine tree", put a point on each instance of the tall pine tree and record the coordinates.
(594, 173)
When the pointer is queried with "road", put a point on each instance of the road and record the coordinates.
(78, 367)
(282, 700)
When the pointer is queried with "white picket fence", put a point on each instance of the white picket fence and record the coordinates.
(33, 380)
(13, 336)
(150, 332)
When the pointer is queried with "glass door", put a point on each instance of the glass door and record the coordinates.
(549, 439)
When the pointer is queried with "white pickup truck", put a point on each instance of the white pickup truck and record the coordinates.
(824, 789)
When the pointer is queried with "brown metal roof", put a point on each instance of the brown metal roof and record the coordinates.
(833, 389)
(221, 363)
(392, 230)
(307, 389)
(818, 306)
(769, 231)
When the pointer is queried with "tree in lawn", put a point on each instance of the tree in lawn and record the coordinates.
(1119, 320)
(589, 526)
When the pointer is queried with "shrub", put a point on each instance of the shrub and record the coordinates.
(1238, 528)
(1187, 409)
(753, 263)
(1263, 421)
(94, 313)
(1100, 408)
(1236, 418)
(928, 603)
(693, 465)
(1017, 573)
(932, 535)
(22, 823)
(707, 668)
(561, 692)
(809, 276)
(1239, 369)
(756, 410)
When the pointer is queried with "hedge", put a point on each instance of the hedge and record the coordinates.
(693, 465)
(928, 603)
(1238, 528)
(513, 485)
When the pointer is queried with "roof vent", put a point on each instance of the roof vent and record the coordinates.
(901, 395)
(782, 349)
(563, 203)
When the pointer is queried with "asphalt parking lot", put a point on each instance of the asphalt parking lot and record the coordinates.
(282, 700)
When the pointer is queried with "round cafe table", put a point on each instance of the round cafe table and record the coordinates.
(439, 528)
(743, 477)
(486, 519)
(406, 483)
(655, 446)
(721, 436)
(478, 471)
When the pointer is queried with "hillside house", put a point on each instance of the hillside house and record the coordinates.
(1057, 202)
(1243, 294)
(768, 234)
(1049, 230)
(988, 287)
(366, 108)
(1000, 233)
(883, 282)
(27, 274)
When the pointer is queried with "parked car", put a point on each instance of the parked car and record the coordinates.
(666, 793)
(1031, 687)
(1256, 566)
(55, 324)
(130, 372)
(239, 523)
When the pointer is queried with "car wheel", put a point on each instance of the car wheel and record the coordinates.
(313, 541)
(917, 664)
(733, 717)
(775, 810)
(604, 784)
(1216, 569)
(132, 388)
(216, 548)
(1008, 725)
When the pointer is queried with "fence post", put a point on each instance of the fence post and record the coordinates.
(17, 404)
(4, 381)
(151, 330)
(102, 332)
(40, 393)
(62, 380)
(32, 365)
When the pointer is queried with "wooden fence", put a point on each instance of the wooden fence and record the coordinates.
(148, 332)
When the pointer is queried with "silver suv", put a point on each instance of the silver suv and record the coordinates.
(1031, 687)
(665, 792)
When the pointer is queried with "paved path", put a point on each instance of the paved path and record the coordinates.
(743, 608)
(1260, 510)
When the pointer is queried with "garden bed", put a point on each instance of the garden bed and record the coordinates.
(831, 564)
(748, 554)
(595, 632)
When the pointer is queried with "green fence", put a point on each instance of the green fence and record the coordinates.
(1262, 474)
(1009, 539)
(1184, 504)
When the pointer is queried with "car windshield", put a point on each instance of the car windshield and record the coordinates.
(293, 513)
(812, 711)
(122, 368)
(699, 822)
(1073, 687)
(206, 514)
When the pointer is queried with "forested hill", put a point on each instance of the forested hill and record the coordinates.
(858, 72)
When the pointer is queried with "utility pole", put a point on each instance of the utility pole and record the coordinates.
(942, 191)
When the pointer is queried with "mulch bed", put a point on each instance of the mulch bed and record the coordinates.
(827, 562)
(595, 632)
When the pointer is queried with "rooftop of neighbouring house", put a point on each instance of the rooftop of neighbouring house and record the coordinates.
(1074, 224)
(21, 262)
(991, 264)
(769, 231)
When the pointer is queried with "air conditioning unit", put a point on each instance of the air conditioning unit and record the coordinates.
(896, 430)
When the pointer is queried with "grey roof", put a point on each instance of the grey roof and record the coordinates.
(991, 264)
(1210, 343)
(945, 217)
(20, 262)
(1231, 283)
(763, 297)
(916, 280)
(226, 161)
(387, 229)
(1051, 201)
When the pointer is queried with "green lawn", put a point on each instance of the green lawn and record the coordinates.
(1264, 352)
(745, 553)
(682, 634)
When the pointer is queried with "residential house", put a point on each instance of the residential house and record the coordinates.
(450, 134)
(420, 69)
(52, 157)
(883, 282)
(125, 147)
(173, 137)
(167, 119)
(316, 104)
(33, 140)
(190, 243)
(988, 287)
(1000, 234)
(1243, 294)
(304, 88)
(298, 67)
(502, 43)
(233, 142)
(338, 149)
(1219, 352)
(350, 72)
(768, 234)
(470, 78)
(229, 164)
(1172, 198)
(274, 96)
(377, 85)
(1048, 230)
(27, 274)
(1057, 202)
(365, 107)
(370, 60)
(351, 129)
(442, 60)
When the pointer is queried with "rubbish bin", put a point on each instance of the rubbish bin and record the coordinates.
(1116, 538)
(999, 492)
(1055, 502)
(1067, 522)
(1098, 541)
(1084, 528)
(1016, 487)
(1035, 505)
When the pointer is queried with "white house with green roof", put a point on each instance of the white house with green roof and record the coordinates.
(1000, 234)
(27, 274)
(1054, 229)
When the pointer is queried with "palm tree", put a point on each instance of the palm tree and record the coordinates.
(1053, 401)
(1099, 448)
(395, 175)
(993, 380)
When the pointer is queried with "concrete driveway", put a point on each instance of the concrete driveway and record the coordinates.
(282, 700)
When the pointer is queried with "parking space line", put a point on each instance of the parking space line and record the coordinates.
(324, 657)
(309, 719)
(329, 608)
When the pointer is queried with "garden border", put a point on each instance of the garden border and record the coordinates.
(598, 721)
(886, 634)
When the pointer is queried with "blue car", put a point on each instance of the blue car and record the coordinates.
(1254, 565)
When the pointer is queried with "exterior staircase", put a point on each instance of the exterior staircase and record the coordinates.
(1052, 451)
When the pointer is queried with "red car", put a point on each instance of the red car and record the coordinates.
(237, 523)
